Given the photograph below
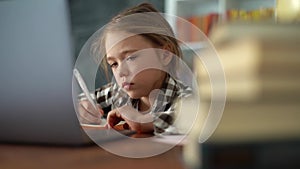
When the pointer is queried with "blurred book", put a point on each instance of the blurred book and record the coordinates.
(261, 66)
(261, 62)
(256, 15)
(206, 22)
(188, 27)
(260, 124)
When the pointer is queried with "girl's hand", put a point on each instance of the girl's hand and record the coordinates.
(87, 114)
(113, 118)
(141, 123)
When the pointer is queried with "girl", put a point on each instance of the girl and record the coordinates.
(139, 47)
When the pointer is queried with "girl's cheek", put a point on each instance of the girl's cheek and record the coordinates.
(117, 78)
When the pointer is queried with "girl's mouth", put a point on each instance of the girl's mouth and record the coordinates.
(126, 85)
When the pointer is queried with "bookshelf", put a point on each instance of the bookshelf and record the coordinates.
(207, 13)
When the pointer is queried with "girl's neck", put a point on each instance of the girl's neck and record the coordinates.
(144, 104)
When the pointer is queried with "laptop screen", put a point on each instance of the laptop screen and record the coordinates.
(36, 72)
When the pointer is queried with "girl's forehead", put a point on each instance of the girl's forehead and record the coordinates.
(114, 37)
(117, 42)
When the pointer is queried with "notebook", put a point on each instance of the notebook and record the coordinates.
(36, 75)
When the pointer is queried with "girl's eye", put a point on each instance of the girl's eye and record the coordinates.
(113, 65)
(131, 58)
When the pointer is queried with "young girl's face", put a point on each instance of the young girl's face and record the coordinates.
(135, 63)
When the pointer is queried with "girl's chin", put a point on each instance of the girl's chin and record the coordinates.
(133, 95)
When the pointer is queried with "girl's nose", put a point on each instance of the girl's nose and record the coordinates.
(123, 69)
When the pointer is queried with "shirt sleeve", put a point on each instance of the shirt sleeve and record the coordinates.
(164, 120)
(104, 95)
(163, 123)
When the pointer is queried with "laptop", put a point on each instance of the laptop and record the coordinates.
(36, 75)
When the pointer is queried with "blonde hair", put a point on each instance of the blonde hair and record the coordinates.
(143, 20)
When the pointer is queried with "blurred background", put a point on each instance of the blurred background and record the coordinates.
(90, 15)
(257, 42)
(87, 16)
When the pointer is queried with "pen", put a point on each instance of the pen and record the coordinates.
(84, 88)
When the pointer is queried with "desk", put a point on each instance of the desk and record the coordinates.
(89, 157)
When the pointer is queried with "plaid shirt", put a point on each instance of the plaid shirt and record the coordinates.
(162, 109)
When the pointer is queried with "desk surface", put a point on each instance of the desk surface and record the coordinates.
(35, 156)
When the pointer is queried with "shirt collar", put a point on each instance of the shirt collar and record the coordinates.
(164, 96)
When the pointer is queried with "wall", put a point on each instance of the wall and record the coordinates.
(87, 16)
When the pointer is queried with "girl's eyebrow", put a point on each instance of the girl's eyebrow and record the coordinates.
(108, 58)
(122, 53)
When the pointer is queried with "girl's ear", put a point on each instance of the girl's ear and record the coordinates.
(166, 56)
